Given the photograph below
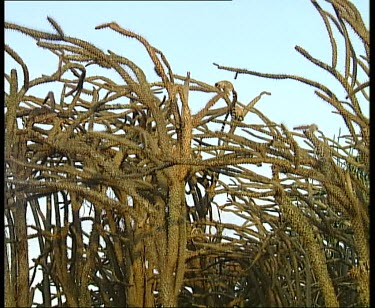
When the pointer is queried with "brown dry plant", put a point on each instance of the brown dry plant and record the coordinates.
(125, 191)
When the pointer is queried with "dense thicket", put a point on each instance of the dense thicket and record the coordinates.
(125, 191)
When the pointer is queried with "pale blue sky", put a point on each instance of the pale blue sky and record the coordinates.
(251, 34)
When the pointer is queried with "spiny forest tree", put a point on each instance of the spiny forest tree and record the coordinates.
(118, 184)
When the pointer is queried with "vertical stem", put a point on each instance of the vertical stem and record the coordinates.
(22, 256)
(314, 251)
(170, 276)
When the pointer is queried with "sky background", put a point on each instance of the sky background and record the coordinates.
(249, 34)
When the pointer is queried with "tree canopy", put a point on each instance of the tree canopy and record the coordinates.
(125, 190)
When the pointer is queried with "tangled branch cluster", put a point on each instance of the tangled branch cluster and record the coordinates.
(124, 183)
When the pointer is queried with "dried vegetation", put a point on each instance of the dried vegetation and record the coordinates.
(128, 190)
